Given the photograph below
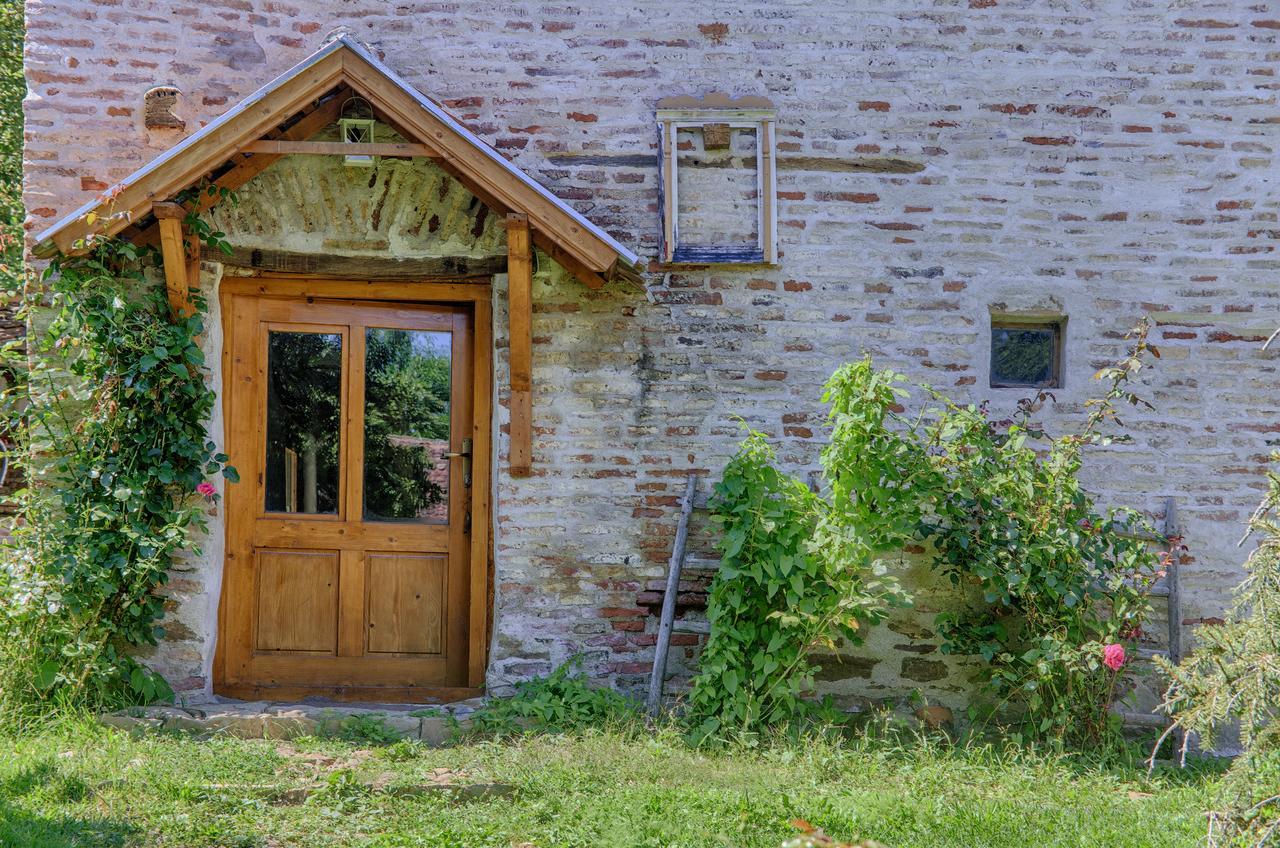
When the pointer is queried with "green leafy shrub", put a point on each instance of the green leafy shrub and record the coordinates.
(1047, 579)
(795, 575)
(1233, 681)
(563, 700)
(109, 411)
(1052, 580)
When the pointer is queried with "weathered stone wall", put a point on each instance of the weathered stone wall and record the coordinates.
(937, 162)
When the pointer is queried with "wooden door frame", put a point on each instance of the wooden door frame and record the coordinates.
(478, 296)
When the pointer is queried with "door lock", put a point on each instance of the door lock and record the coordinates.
(465, 454)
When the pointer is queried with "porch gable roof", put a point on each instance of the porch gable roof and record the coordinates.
(584, 248)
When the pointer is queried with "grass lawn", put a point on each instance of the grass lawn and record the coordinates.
(82, 785)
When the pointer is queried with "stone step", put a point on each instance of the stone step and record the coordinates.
(436, 726)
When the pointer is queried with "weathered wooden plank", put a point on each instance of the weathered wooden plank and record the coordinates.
(668, 198)
(338, 148)
(768, 194)
(520, 318)
(361, 267)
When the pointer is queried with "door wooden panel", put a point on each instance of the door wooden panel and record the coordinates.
(406, 600)
(350, 553)
(297, 603)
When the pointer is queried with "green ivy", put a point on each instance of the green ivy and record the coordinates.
(110, 410)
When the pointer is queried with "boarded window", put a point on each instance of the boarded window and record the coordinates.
(718, 192)
(1026, 354)
(718, 183)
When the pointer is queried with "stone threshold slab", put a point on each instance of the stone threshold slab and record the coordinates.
(436, 725)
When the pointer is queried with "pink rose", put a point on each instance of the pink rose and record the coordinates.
(206, 489)
(1113, 656)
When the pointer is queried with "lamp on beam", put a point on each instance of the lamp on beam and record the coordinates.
(357, 130)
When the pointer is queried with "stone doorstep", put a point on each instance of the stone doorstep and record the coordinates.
(268, 720)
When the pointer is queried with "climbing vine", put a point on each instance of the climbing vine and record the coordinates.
(109, 404)
(1051, 587)
(800, 571)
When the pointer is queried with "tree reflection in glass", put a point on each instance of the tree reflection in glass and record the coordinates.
(406, 425)
(304, 402)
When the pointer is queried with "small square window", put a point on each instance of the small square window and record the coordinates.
(1026, 354)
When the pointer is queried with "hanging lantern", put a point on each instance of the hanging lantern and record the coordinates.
(357, 130)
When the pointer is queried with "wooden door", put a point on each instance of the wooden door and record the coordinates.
(349, 555)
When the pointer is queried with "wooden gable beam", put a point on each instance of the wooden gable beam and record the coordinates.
(520, 320)
(317, 119)
(250, 166)
(339, 148)
(566, 260)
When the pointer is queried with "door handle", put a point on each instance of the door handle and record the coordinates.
(465, 454)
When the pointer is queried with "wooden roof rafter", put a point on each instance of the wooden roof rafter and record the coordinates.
(304, 100)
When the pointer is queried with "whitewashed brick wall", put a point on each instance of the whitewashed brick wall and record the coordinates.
(936, 160)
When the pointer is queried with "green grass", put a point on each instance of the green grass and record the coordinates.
(80, 785)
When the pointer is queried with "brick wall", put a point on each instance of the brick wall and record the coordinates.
(936, 161)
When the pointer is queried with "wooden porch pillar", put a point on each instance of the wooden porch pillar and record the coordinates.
(179, 268)
(520, 319)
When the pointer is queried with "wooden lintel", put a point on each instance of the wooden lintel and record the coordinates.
(520, 319)
(360, 267)
(338, 148)
(177, 278)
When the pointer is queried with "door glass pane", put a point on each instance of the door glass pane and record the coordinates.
(304, 404)
(406, 425)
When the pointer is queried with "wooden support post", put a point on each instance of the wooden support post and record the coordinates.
(520, 320)
(177, 264)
